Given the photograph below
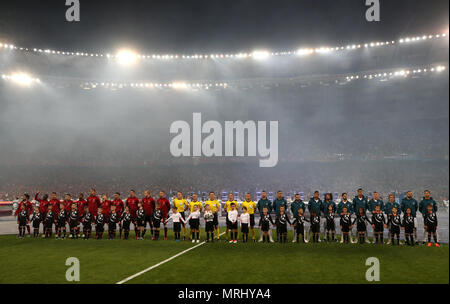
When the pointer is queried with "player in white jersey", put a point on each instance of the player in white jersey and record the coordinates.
(177, 219)
(233, 220)
(244, 220)
(194, 219)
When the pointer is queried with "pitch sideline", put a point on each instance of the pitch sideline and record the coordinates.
(162, 262)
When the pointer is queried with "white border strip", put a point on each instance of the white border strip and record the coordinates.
(163, 262)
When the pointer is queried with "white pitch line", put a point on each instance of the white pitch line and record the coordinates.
(163, 262)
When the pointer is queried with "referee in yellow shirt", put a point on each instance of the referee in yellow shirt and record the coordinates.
(251, 207)
(215, 208)
(194, 202)
(182, 205)
(227, 209)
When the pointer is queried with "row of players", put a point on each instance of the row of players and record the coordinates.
(68, 211)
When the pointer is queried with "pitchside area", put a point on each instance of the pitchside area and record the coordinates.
(111, 261)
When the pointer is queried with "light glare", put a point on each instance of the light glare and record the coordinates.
(126, 57)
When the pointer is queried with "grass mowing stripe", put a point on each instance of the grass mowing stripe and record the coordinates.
(163, 262)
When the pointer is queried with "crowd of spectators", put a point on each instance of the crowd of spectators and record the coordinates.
(386, 176)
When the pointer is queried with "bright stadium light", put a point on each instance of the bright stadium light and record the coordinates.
(260, 55)
(179, 85)
(126, 57)
(23, 79)
(302, 52)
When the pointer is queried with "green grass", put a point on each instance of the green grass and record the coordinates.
(109, 261)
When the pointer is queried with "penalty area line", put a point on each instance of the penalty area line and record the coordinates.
(162, 262)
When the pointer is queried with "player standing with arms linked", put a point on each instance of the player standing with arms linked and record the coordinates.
(279, 202)
(227, 208)
(132, 203)
(149, 205)
(264, 202)
(164, 205)
(314, 206)
(215, 209)
(118, 203)
(251, 207)
(181, 205)
(427, 199)
(410, 202)
(194, 202)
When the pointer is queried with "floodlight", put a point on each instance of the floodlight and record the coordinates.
(260, 55)
(126, 57)
(22, 79)
(302, 52)
(179, 85)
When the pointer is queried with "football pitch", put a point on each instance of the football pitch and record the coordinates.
(40, 260)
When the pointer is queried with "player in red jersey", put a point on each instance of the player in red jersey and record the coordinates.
(43, 203)
(28, 208)
(119, 209)
(132, 203)
(149, 205)
(106, 205)
(67, 202)
(81, 203)
(165, 207)
(54, 201)
(93, 202)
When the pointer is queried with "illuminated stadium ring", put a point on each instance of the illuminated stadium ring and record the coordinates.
(128, 57)
(381, 75)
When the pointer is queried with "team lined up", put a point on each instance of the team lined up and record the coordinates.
(150, 212)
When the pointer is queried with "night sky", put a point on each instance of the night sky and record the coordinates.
(197, 25)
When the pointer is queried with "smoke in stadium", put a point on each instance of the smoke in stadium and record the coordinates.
(241, 97)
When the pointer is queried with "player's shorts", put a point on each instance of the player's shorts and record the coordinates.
(300, 229)
(195, 224)
(378, 227)
(432, 228)
(22, 222)
(395, 229)
(361, 227)
(227, 221)
(331, 225)
(315, 228)
(99, 228)
(216, 219)
(61, 224)
(265, 227)
(252, 220)
(140, 223)
(112, 226)
(345, 228)
(156, 223)
(73, 224)
(36, 225)
(281, 228)
(244, 228)
(233, 226)
(176, 227)
(126, 225)
(209, 226)
(48, 225)
(409, 228)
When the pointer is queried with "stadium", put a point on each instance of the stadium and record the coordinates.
(89, 107)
